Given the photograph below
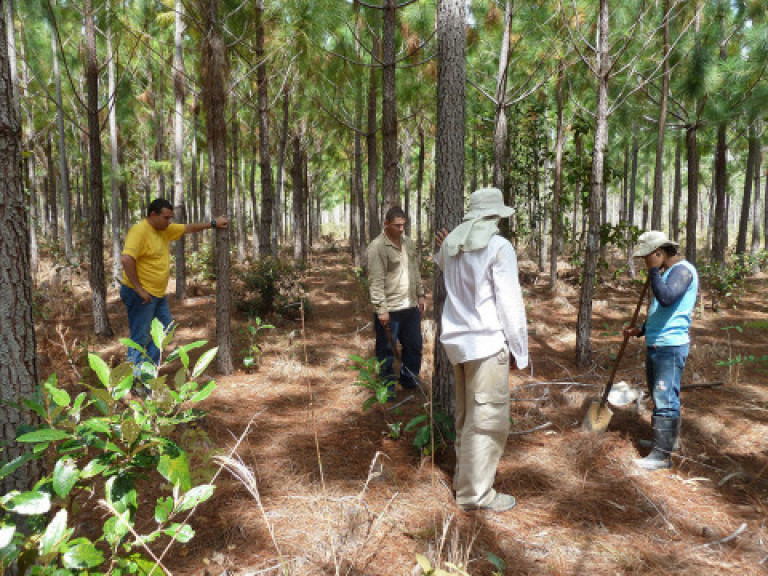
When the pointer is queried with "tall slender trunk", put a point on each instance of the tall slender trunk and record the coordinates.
(746, 203)
(419, 186)
(157, 108)
(449, 165)
(214, 64)
(374, 225)
(298, 199)
(720, 225)
(53, 207)
(254, 203)
(283, 145)
(114, 181)
(237, 193)
(390, 183)
(678, 191)
(96, 275)
(755, 246)
(179, 92)
(597, 189)
(557, 185)
(354, 235)
(265, 161)
(692, 214)
(18, 368)
(406, 163)
(66, 202)
(194, 189)
(28, 143)
(658, 173)
(500, 119)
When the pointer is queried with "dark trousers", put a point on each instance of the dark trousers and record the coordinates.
(406, 329)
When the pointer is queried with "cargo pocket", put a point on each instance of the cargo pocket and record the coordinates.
(491, 411)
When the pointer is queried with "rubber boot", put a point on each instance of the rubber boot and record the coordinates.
(664, 436)
(643, 443)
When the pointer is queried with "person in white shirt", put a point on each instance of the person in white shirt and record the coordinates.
(484, 331)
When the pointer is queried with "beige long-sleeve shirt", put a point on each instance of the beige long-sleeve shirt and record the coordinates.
(393, 274)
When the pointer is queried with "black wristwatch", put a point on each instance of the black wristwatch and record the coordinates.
(213, 223)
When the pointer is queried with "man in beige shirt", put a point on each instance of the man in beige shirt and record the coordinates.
(398, 299)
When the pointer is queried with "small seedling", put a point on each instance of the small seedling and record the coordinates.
(253, 353)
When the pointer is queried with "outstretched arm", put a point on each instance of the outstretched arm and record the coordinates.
(192, 227)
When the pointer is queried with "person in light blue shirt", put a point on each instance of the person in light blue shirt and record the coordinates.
(675, 284)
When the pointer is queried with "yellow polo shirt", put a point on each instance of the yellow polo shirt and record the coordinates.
(149, 247)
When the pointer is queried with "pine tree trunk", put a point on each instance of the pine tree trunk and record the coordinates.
(280, 187)
(390, 183)
(265, 161)
(53, 206)
(658, 173)
(66, 202)
(419, 186)
(18, 370)
(96, 275)
(298, 199)
(114, 181)
(557, 185)
(720, 225)
(194, 189)
(500, 121)
(597, 189)
(214, 63)
(179, 92)
(374, 225)
(449, 166)
(237, 193)
(692, 215)
(678, 192)
(746, 202)
(755, 246)
(406, 163)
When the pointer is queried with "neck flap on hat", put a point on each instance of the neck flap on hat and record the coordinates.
(471, 235)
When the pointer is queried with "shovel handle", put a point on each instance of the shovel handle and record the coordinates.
(608, 386)
(392, 342)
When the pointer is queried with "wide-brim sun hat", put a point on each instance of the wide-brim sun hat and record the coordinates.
(651, 241)
(487, 202)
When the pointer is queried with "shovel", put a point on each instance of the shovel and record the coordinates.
(599, 415)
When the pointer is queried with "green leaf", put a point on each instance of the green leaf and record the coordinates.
(65, 475)
(158, 333)
(29, 503)
(422, 437)
(93, 468)
(204, 393)
(163, 509)
(382, 395)
(54, 534)
(6, 534)
(248, 361)
(79, 403)
(121, 493)
(420, 419)
(130, 430)
(180, 378)
(15, 464)
(182, 532)
(131, 344)
(120, 374)
(60, 397)
(203, 361)
(175, 470)
(195, 496)
(82, 555)
(116, 527)
(100, 368)
(44, 435)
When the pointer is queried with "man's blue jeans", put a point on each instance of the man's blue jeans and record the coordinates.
(140, 317)
(663, 370)
(406, 328)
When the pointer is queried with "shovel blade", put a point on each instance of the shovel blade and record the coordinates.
(597, 418)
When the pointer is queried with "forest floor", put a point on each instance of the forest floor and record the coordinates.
(335, 494)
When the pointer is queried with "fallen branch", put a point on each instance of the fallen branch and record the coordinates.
(531, 430)
(660, 513)
(400, 403)
(733, 536)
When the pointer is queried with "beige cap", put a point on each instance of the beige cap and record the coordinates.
(651, 241)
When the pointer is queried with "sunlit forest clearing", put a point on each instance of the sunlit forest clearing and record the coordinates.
(262, 444)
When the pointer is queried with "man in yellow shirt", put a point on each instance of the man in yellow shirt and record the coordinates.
(146, 270)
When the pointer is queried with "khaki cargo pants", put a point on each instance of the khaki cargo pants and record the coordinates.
(482, 426)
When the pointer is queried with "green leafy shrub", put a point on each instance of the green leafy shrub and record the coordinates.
(270, 286)
(726, 283)
(98, 445)
(252, 358)
(440, 426)
(369, 378)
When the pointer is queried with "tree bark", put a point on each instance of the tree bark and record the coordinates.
(374, 225)
(66, 202)
(265, 160)
(449, 165)
(298, 199)
(755, 246)
(18, 369)
(720, 225)
(214, 62)
(179, 93)
(390, 183)
(746, 202)
(584, 322)
(114, 181)
(419, 186)
(96, 275)
(692, 215)
(678, 191)
(658, 173)
(283, 145)
(557, 185)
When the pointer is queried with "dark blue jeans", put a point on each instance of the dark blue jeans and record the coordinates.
(140, 317)
(406, 329)
(663, 371)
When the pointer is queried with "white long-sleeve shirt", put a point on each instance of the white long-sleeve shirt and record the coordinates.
(484, 307)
